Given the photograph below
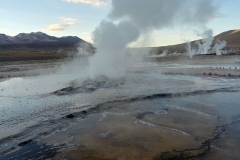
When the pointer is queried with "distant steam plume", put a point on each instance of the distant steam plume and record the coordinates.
(205, 47)
(219, 46)
(128, 19)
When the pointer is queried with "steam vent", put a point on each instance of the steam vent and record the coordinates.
(119, 80)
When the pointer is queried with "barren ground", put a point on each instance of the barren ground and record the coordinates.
(165, 109)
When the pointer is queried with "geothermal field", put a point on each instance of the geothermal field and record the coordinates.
(162, 108)
(151, 80)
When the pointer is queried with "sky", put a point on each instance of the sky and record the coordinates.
(80, 18)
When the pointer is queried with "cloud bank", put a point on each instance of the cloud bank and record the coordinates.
(90, 2)
(61, 27)
(158, 14)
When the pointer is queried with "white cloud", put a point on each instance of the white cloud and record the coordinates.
(66, 19)
(57, 27)
(90, 2)
(61, 27)
(172, 36)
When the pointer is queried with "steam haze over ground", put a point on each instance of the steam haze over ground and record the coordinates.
(124, 25)
(121, 102)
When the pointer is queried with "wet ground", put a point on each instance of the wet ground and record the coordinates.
(161, 128)
(148, 115)
(157, 127)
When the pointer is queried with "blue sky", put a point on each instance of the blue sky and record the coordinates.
(80, 17)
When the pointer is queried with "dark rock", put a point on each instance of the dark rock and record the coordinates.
(70, 116)
(72, 90)
(88, 82)
(25, 142)
(67, 89)
(229, 75)
(90, 86)
(84, 112)
(10, 70)
(210, 73)
(52, 121)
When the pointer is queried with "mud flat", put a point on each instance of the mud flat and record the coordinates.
(147, 115)
(158, 128)
(22, 69)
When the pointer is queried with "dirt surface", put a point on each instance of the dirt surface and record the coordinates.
(20, 69)
(163, 109)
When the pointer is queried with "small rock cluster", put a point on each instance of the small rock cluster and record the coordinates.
(90, 86)
(206, 74)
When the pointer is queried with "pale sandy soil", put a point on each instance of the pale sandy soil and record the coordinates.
(28, 69)
(165, 109)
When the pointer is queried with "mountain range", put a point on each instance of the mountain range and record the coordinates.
(40, 46)
(37, 37)
(41, 42)
(38, 41)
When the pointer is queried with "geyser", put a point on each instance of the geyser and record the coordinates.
(111, 41)
(128, 19)
(205, 47)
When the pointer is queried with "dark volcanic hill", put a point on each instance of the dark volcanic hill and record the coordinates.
(4, 38)
(33, 37)
(232, 37)
(38, 41)
(37, 37)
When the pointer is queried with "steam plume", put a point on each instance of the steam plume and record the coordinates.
(219, 46)
(129, 19)
(206, 46)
